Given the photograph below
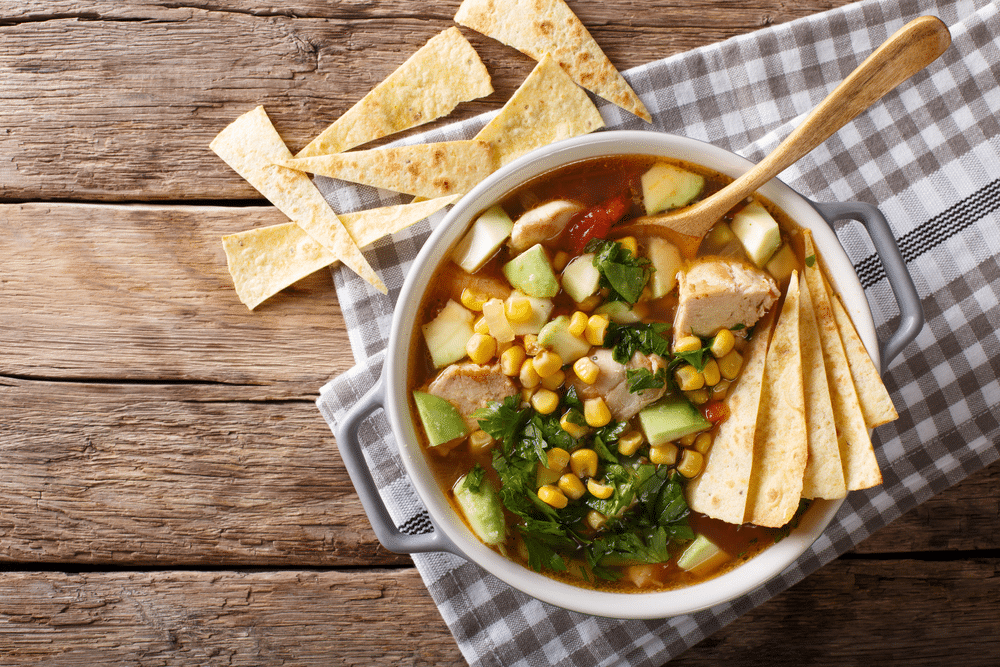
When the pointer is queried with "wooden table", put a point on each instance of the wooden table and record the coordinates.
(168, 491)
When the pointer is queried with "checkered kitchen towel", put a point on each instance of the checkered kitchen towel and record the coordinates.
(928, 155)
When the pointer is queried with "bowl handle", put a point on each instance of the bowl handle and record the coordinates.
(911, 315)
(388, 534)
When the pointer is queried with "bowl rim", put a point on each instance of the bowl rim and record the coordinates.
(740, 580)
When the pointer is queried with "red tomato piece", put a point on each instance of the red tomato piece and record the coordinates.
(715, 411)
(595, 222)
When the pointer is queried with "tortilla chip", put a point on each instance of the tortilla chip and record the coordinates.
(824, 474)
(266, 260)
(856, 453)
(251, 146)
(441, 74)
(876, 404)
(782, 442)
(424, 170)
(546, 108)
(720, 491)
(537, 27)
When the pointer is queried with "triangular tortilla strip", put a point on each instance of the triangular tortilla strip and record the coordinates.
(251, 146)
(441, 74)
(537, 27)
(824, 475)
(876, 404)
(546, 108)
(856, 453)
(266, 260)
(720, 491)
(781, 443)
(423, 170)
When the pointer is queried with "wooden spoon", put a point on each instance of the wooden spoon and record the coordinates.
(909, 50)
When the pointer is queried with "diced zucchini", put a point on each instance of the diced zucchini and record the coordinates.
(441, 420)
(581, 278)
(532, 273)
(670, 418)
(482, 510)
(757, 231)
(618, 312)
(540, 311)
(782, 263)
(556, 336)
(667, 261)
(702, 556)
(483, 239)
(665, 186)
(448, 333)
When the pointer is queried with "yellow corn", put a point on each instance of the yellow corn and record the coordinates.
(560, 261)
(529, 376)
(629, 443)
(480, 441)
(711, 373)
(555, 380)
(691, 462)
(687, 440)
(586, 370)
(665, 454)
(511, 360)
(631, 244)
(703, 443)
(481, 348)
(545, 401)
(571, 485)
(518, 308)
(698, 396)
(599, 490)
(546, 363)
(558, 458)
(722, 343)
(596, 412)
(583, 463)
(481, 327)
(595, 519)
(687, 344)
(689, 379)
(577, 323)
(526, 394)
(531, 346)
(575, 430)
(473, 299)
(597, 326)
(720, 390)
(551, 495)
(730, 365)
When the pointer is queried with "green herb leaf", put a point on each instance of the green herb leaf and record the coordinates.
(627, 339)
(641, 379)
(811, 261)
(696, 358)
(474, 478)
(621, 272)
(503, 421)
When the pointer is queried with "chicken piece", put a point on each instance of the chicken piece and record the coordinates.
(612, 383)
(543, 223)
(469, 386)
(720, 292)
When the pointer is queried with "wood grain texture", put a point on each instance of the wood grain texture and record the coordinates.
(119, 100)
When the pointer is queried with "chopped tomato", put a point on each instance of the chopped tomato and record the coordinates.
(595, 222)
(715, 411)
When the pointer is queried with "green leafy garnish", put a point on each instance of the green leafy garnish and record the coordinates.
(503, 421)
(811, 261)
(641, 379)
(627, 339)
(624, 274)
(474, 478)
(696, 358)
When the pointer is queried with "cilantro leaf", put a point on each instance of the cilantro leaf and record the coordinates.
(474, 478)
(645, 337)
(811, 261)
(696, 358)
(503, 421)
(622, 272)
(641, 379)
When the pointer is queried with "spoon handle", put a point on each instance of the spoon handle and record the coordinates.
(909, 50)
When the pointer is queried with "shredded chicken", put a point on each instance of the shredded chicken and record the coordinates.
(719, 293)
(612, 383)
(469, 386)
(543, 223)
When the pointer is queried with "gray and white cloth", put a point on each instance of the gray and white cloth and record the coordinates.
(928, 155)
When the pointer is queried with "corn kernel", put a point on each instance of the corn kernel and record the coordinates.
(711, 373)
(720, 390)
(698, 396)
(703, 443)
(597, 327)
(595, 519)
(518, 308)
(481, 327)
(583, 463)
(577, 323)
(557, 458)
(552, 496)
(503, 347)
(545, 401)
(687, 440)
(730, 365)
(665, 454)
(586, 369)
(531, 346)
(473, 299)
(481, 348)
(511, 360)
(691, 462)
(631, 244)
(547, 362)
(560, 260)
(722, 343)
(555, 380)
(568, 424)
(529, 376)
(599, 490)
(687, 344)
(591, 302)
(629, 443)
(480, 441)
(689, 379)
(571, 485)
(596, 412)
(526, 394)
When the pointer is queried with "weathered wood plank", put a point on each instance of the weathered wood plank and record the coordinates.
(143, 293)
(119, 100)
(851, 612)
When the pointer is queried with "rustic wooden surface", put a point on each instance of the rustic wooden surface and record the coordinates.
(169, 493)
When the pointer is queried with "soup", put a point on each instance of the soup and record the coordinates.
(571, 376)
